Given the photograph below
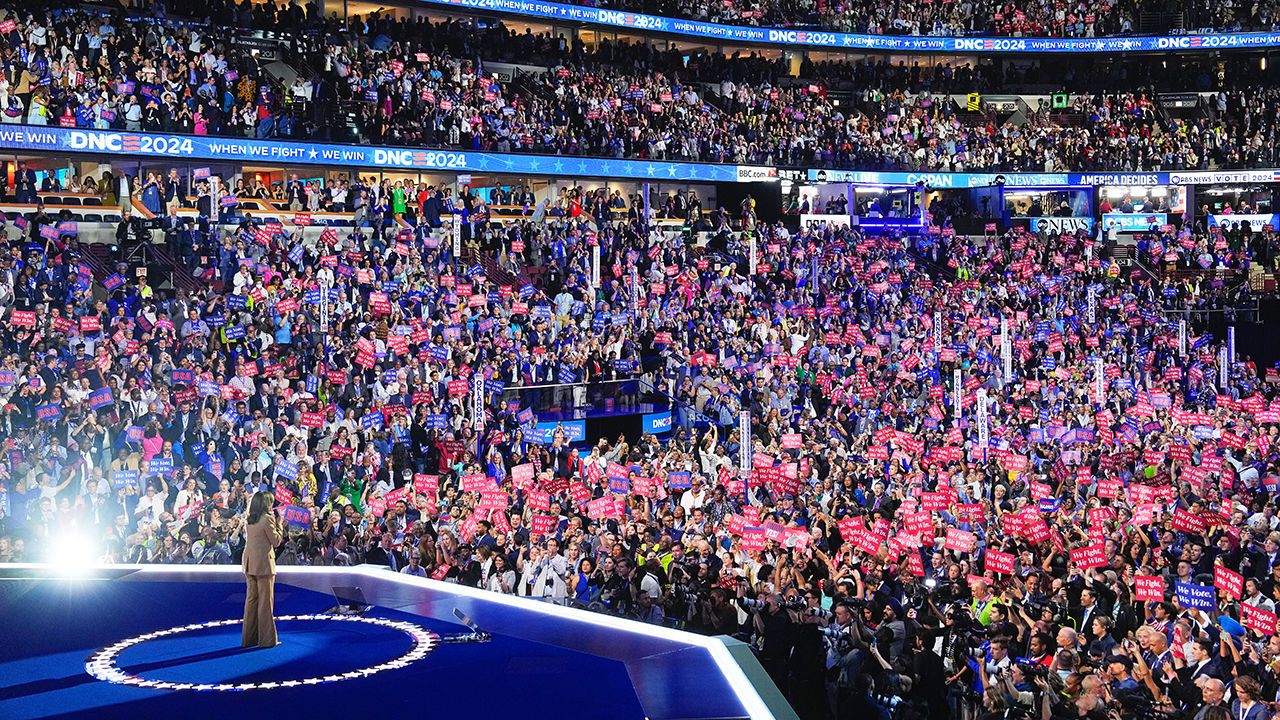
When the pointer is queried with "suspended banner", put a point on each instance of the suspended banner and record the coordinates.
(822, 39)
(180, 147)
(203, 148)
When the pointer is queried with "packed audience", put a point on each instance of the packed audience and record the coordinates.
(425, 84)
(1092, 532)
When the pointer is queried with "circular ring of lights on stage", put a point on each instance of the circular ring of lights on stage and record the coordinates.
(102, 664)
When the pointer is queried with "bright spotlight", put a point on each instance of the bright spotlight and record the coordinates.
(72, 554)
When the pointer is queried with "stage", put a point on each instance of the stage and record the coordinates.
(149, 641)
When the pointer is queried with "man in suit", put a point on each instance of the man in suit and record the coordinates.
(24, 185)
(266, 402)
(296, 193)
(176, 236)
(1089, 609)
(384, 554)
(431, 208)
(1203, 666)
(1212, 692)
(326, 471)
(184, 429)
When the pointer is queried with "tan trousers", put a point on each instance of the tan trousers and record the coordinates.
(259, 601)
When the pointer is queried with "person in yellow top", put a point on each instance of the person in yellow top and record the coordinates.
(983, 601)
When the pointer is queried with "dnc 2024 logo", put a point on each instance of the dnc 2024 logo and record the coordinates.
(802, 36)
(990, 44)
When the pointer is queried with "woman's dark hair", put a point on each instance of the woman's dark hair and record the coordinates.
(260, 505)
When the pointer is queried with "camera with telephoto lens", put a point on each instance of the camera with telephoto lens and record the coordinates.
(793, 602)
(752, 603)
(966, 627)
(942, 592)
(838, 636)
(821, 613)
(918, 596)
(1032, 669)
(1036, 607)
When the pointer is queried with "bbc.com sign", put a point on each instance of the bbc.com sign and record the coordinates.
(803, 37)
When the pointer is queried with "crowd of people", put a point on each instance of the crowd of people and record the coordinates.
(426, 84)
(981, 474)
(994, 475)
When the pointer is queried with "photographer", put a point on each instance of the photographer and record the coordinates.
(772, 625)
(716, 615)
(131, 233)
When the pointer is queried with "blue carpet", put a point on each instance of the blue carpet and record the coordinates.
(52, 626)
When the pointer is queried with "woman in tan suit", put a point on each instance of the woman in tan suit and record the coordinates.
(262, 533)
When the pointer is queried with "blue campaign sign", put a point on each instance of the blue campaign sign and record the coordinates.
(178, 147)
(101, 398)
(124, 478)
(286, 469)
(48, 412)
(295, 516)
(656, 423)
(682, 480)
(1191, 595)
(161, 465)
(849, 41)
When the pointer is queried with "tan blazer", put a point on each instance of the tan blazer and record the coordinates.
(260, 540)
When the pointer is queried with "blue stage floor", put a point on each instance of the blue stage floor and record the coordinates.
(52, 626)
